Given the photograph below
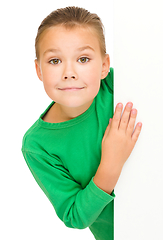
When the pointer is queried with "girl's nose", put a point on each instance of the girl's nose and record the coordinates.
(73, 77)
(69, 72)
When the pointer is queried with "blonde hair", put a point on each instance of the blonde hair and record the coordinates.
(70, 17)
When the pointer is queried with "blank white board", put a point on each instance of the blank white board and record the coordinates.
(138, 64)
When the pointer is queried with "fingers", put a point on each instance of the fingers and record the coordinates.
(126, 116)
(131, 122)
(137, 131)
(126, 121)
(120, 121)
(117, 116)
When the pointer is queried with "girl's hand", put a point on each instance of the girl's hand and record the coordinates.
(121, 135)
(118, 142)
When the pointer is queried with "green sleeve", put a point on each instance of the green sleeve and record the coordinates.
(75, 206)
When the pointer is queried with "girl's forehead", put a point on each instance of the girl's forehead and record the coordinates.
(62, 36)
(76, 30)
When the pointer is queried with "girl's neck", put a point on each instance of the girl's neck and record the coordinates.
(59, 113)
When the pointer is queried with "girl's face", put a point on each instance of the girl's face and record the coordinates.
(71, 65)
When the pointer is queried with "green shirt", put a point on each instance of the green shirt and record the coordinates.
(64, 157)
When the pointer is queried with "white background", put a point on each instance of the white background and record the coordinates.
(25, 212)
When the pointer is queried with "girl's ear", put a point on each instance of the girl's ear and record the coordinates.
(38, 70)
(105, 66)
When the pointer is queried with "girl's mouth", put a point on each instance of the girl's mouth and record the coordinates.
(71, 88)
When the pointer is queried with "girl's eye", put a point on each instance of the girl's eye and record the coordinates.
(55, 61)
(83, 60)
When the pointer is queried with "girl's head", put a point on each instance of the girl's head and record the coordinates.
(71, 17)
(71, 56)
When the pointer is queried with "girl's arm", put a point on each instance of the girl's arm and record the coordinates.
(77, 207)
(118, 142)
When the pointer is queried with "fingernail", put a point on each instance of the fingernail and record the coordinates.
(139, 124)
(119, 105)
(129, 104)
(134, 111)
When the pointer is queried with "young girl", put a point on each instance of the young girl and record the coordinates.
(73, 151)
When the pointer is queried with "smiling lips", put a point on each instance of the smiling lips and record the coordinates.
(71, 89)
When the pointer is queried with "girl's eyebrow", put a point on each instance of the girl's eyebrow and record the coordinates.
(85, 48)
(51, 50)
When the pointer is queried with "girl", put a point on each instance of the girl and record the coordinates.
(73, 151)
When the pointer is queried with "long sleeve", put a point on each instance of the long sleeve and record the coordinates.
(75, 206)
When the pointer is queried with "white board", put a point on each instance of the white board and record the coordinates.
(138, 63)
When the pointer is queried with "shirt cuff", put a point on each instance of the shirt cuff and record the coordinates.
(100, 193)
